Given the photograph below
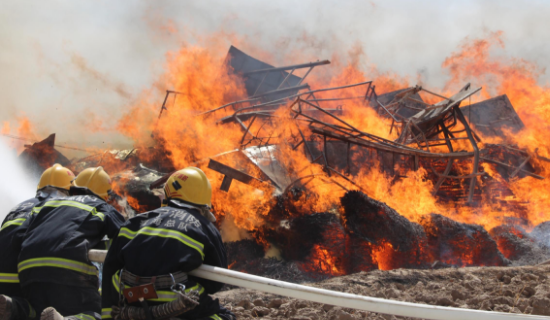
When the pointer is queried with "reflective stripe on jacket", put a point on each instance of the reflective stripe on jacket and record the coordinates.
(60, 231)
(171, 239)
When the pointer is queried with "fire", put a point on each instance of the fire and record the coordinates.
(133, 202)
(200, 80)
(384, 255)
(321, 261)
(200, 73)
(518, 79)
(25, 130)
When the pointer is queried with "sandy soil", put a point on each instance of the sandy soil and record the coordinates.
(504, 289)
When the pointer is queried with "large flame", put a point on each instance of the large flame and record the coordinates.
(201, 74)
(202, 81)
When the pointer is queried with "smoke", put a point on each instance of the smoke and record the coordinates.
(15, 185)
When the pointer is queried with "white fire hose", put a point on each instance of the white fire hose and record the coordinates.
(341, 299)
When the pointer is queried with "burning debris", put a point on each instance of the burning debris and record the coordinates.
(41, 155)
(342, 178)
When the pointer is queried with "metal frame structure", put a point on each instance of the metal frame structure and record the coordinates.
(430, 127)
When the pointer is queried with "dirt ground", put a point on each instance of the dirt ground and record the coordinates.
(505, 289)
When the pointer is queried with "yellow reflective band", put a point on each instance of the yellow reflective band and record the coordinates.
(106, 313)
(127, 233)
(167, 296)
(69, 203)
(57, 263)
(163, 296)
(35, 210)
(83, 316)
(164, 233)
(215, 317)
(15, 222)
(9, 278)
(196, 287)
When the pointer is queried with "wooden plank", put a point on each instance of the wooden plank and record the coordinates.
(231, 174)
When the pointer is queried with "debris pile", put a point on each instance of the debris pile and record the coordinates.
(303, 166)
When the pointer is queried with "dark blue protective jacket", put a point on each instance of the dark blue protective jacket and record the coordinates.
(10, 230)
(175, 238)
(59, 233)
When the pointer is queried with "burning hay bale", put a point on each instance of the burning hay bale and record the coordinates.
(390, 236)
(455, 243)
(316, 242)
(517, 245)
(243, 252)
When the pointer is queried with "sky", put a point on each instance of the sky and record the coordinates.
(64, 62)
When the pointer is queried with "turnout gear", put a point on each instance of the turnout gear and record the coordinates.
(190, 185)
(11, 232)
(54, 253)
(56, 176)
(95, 180)
(166, 242)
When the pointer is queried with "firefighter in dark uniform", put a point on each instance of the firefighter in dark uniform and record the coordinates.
(54, 182)
(162, 245)
(56, 276)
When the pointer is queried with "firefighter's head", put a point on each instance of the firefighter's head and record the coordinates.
(94, 180)
(190, 185)
(57, 177)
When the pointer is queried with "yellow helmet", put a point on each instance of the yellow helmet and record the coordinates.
(56, 176)
(190, 185)
(96, 180)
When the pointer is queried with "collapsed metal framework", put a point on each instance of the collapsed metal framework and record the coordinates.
(345, 132)
(431, 127)
(415, 122)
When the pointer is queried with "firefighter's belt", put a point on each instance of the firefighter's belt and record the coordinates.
(160, 282)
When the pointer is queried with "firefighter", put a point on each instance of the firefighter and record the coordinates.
(56, 275)
(54, 182)
(162, 245)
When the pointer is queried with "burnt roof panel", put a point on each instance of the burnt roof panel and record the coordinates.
(491, 116)
(241, 63)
